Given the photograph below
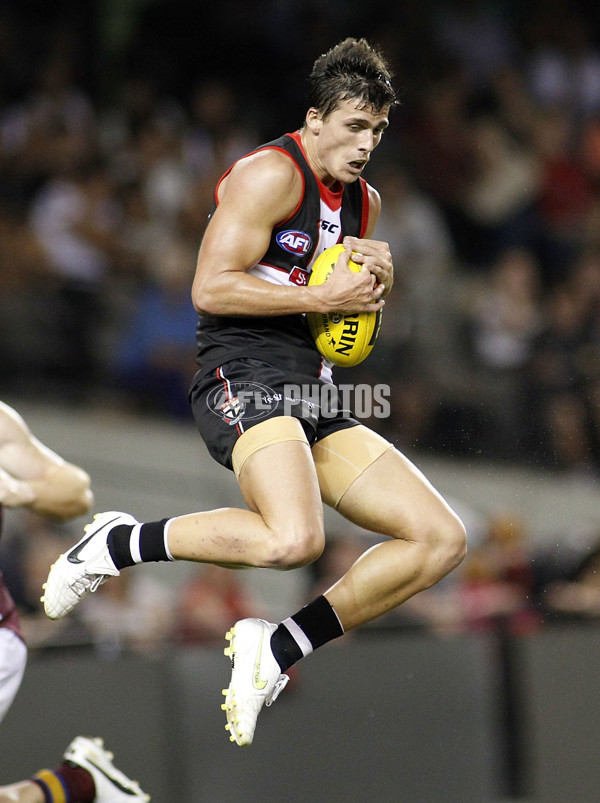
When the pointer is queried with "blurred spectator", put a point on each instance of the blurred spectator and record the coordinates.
(143, 239)
(418, 313)
(504, 311)
(75, 217)
(576, 596)
(511, 103)
(437, 142)
(23, 308)
(559, 382)
(563, 65)
(53, 123)
(131, 105)
(584, 283)
(590, 154)
(500, 199)
(497, 582)
(216, 136)
(160, 168)
(566, 196)
(417, 347)
(502, 317)
(135, 614)
(154, 354)
(479, 36)
(209, 601)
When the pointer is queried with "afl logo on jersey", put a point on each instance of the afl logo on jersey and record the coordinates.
(294, 242)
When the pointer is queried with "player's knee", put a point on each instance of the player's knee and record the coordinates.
(449, 547)
(297, 547)
(456, 547)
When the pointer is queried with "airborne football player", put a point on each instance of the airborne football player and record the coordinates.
(276, 210)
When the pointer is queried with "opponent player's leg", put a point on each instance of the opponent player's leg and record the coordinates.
(23, 792)
(87, 775)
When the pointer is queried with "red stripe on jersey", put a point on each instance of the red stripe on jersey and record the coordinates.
(364, 221)
(333, 198)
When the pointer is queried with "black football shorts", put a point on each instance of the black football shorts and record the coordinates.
(241, 393)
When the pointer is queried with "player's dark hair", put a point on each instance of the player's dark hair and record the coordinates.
(351, 69)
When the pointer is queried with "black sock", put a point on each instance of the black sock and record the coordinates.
(129, 544)
(314, 625)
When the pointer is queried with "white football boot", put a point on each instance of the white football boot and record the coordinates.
(256, 677)
(84, 567)
(112, 785)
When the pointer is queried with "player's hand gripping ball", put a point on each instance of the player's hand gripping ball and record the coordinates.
(344, 340)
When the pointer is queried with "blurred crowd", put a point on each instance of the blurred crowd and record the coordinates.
(115, 125)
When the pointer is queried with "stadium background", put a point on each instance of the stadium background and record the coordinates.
(135, 108)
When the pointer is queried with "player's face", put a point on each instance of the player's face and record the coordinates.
(346, 138)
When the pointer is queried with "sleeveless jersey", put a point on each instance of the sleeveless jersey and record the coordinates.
(8, 612)
(321, 219)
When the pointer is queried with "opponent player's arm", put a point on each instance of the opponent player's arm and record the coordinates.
(260, 191)
(35, 477)
(373, 254)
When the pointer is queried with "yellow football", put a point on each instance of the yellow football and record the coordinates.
(344, 340)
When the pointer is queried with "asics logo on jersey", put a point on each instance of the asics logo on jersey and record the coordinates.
(294, 242)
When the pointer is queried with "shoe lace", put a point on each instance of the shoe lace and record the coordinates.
(82, 585)
(97, 582)
(277, 689)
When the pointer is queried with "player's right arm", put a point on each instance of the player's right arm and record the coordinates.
(35, 477)
(260, 191)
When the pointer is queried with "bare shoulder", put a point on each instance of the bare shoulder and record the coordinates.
(269, 177)
(268, 164)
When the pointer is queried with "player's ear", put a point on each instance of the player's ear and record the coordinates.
(314, 120)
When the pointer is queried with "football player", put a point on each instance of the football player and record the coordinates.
(276, 210)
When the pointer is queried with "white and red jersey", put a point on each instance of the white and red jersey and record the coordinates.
(321, 219)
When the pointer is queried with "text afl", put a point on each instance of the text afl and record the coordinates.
(294, 242)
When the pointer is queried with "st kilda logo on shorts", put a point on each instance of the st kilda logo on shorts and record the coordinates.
(233, 401)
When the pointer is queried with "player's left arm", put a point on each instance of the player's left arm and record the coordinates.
(373, 254)
(35, 477)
